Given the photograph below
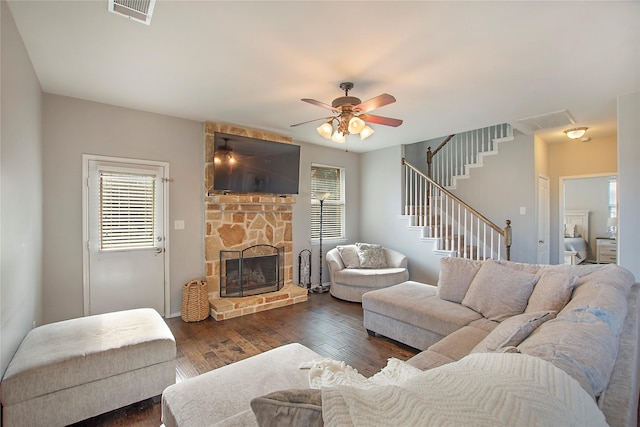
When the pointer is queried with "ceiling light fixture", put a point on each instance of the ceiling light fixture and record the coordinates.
(224, 154)
(576, 133)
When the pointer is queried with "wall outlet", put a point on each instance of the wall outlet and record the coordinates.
(178, 224)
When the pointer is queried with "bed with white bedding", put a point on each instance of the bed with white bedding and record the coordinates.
(576, 236)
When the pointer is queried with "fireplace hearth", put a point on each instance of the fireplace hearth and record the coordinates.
(255, 270)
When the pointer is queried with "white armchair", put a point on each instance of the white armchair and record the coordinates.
(349, 281)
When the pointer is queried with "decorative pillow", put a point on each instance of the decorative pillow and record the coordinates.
(512, 332)
(289, 408)
(499, 292)
(456, 275)
(552, 292)
(371, 256)
(349, 255)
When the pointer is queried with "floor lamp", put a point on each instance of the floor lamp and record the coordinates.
(319, 289)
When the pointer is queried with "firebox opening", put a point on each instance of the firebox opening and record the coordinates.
(255, 270)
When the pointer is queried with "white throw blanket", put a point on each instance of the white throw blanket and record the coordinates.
(482, 389)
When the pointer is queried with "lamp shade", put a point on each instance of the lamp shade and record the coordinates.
(576, 133)
(366, 132)
(612, 222)
(325, 130)
(356, 125)
(338, 137)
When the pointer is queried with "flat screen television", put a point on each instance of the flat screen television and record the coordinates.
(249, 165)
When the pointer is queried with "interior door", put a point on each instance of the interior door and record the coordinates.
(126, 243)
(543, 220)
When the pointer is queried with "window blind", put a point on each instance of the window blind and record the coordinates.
(326, 179)
(127, 210)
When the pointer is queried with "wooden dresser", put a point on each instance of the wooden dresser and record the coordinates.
(607, 250)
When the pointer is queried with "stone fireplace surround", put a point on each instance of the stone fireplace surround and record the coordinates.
(237, 221)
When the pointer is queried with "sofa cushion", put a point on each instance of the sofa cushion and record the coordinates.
(349, 256)
(512, 331)
(428, 359)
(418, 305)
(459, 343)
(586, 351)
(552, 292)
(301, 407)
(499, 292)
(374, 278)
(371, 256)
(456, 275)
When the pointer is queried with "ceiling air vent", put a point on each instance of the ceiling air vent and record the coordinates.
(546, 121)
(137, 10)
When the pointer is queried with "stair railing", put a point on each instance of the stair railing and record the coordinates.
(462, 149)
(459, 227)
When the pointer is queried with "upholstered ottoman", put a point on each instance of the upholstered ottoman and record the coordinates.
(222, 397)
(68, 371)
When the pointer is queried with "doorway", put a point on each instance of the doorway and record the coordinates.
(595, 193)
(124, 233)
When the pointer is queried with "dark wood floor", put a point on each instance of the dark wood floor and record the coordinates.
(329, 326)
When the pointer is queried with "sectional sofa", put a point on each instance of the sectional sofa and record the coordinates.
(504, 344)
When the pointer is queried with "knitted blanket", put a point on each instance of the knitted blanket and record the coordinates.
(482, 389)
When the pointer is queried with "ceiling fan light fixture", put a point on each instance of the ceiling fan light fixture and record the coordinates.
(338, 137)
(366, 132)
(356, 125)
(325, 130)
(576, 133)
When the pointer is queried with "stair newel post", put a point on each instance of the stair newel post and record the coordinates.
(429, 162)
(507, 239)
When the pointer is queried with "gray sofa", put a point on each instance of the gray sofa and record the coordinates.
(582, 319)
(351, 278)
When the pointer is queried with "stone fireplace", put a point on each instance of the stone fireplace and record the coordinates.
(235, 222)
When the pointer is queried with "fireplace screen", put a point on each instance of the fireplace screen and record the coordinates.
(255, 270)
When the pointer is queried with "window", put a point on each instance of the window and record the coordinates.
(327, 179)
(612, 198)
(127, 210)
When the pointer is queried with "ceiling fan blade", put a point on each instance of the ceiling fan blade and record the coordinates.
(314, 120)
(318, 103)
(387, 121)
(377, 102)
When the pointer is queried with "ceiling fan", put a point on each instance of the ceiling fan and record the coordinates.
(351, 115)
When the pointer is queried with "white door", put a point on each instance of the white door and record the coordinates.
(543, 220)
(125, 231)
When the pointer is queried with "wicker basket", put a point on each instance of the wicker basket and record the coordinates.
(195, 301)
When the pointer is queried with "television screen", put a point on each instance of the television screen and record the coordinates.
(249, 165)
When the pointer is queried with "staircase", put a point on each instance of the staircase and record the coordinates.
(455, 228)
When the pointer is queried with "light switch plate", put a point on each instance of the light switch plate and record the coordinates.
(523, 210)
(178, 224)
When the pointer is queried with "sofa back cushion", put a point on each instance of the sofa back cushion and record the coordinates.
(349, 256)
(552, 291)
(455, 278)
(498, 292)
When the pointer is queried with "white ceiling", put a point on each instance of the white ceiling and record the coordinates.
(453, 66)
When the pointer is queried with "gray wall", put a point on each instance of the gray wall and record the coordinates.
(310, 153)
(628, 179)
(381, 206)
(20, 192)
(72, 127)
(499, 189)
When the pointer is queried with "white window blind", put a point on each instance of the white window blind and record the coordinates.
(127, 210)
(327, 179)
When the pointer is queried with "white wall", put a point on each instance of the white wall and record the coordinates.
(72, 127)
(20, 192)
(310, 153)
(628, 180)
